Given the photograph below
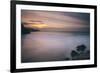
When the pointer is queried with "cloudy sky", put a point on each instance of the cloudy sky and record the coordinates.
(55, 21)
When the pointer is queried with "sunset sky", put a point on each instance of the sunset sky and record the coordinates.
(55, 21)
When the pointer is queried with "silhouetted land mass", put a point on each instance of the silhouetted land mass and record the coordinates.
(25, 30)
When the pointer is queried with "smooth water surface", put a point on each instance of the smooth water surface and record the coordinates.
(51, 46)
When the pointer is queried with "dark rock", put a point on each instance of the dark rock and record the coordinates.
(67, 58)
(74, 53)
(80, 53)
(81, 48)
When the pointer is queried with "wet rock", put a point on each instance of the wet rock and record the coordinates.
(74, 53)
(81, 48)
(67, 58)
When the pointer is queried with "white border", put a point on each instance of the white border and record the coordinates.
(20, 65)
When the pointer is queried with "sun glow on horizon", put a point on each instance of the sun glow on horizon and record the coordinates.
(39, 25)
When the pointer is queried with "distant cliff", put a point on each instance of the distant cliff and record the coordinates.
(25, 30)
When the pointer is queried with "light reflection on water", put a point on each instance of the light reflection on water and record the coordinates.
(51, 46)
